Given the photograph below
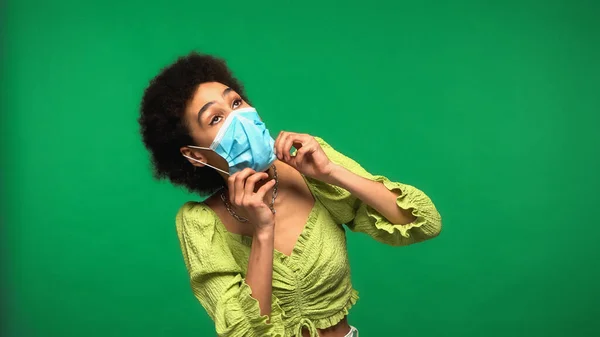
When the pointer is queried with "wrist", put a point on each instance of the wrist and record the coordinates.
(334, 173)
(265, 232)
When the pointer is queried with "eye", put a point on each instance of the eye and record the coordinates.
(215, 120)
(236, 103)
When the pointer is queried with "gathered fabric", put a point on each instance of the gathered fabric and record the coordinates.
(308, 323)
(312, 286)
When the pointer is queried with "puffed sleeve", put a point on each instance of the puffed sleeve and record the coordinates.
(216, 279)
(360, 217)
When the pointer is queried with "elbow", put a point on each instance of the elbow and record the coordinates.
(437, 227)
(427, 231)
(434, 224)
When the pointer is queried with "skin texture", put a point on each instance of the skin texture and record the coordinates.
(249, 192)
(164, 128)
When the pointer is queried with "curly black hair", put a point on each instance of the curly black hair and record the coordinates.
(163, 126)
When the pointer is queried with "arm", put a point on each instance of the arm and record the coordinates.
(259, 276)
(236, 303)
(389, 211)
(260, 269)
(372, 193)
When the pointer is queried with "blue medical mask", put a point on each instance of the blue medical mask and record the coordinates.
(243, 141)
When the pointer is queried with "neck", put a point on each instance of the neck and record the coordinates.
(271, 172)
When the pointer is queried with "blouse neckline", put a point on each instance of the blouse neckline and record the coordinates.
(300, 241)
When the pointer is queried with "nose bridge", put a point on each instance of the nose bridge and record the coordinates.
(222, 105)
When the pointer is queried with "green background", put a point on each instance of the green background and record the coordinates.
(491, 109)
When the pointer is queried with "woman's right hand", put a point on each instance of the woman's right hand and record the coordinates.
(250, 204)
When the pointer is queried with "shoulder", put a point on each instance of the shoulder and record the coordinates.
(194, 216)
(191, 208)
(200, 239)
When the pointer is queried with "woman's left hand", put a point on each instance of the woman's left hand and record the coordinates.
(310, 159)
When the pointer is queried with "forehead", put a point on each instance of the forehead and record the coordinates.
(206, 92)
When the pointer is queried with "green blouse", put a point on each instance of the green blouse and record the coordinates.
(312, 286)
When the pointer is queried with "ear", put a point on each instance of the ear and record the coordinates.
(193, 153)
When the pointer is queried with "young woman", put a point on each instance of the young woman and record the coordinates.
(266, 251)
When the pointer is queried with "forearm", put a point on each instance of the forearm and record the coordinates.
(260, 269)
(373, 193)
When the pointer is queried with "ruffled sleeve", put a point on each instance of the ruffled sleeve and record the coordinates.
(216, 279)
(360, 217)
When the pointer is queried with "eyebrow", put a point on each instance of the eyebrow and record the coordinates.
(207, 105)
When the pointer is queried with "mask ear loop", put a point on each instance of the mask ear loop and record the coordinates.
(201, 162)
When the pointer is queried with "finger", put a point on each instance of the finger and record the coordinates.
(240, 181)
(302, 153)
(251, 182)
(276, 144)
(231, 185)
(282, 139)
(287, 146)
(302, 140)
(264, 189)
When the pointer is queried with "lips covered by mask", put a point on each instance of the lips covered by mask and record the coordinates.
(243, 141)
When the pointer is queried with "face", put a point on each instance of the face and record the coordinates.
(205, 114)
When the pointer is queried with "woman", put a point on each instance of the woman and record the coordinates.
(266, 251)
